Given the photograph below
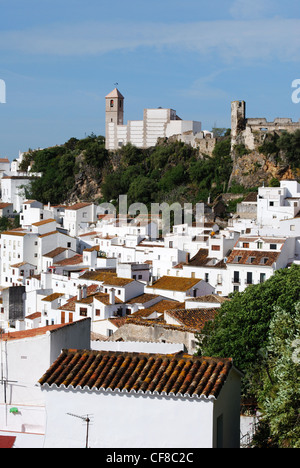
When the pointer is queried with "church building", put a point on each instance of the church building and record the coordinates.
(157, 123)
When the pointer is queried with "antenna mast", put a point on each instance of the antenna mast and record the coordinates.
(87, 420)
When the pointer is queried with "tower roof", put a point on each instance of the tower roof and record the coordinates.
(115, 93)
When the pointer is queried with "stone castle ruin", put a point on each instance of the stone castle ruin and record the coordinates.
(252, 132)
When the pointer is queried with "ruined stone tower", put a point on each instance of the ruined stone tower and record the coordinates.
(238, 119)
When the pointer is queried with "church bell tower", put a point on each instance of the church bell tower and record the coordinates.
(114, 111)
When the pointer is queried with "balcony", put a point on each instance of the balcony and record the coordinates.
(236, 281)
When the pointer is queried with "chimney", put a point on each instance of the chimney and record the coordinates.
(84, 291)
(112, 298)
(79, 292)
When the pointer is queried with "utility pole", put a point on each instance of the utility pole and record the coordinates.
(87, 420)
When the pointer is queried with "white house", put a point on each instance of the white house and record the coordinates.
(255, 258)
(13, 189)
(25, 356)
(193, 402)
(277, 203)
(32, 212)
(78, 217)
(179, 288)
(6, 209)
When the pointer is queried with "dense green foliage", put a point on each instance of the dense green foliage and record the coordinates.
(287, 143)
(59, 165)
(170, 170)
(9, 223)
(245, 329)
(242, 325)
(279, 393)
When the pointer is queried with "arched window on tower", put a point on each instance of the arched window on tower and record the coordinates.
(111, 103)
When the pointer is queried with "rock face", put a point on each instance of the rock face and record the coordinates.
(87, 186)
(254, 168)
(251, 168)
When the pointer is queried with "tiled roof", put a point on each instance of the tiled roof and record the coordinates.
(159, 307)
(142, 298)
(251, 197)
(44, 221)
(70, 304)
(52, 297)
(192, 318)
(117, 281)
(177, 375)
(32, 332)
(253, 257)
(213, 298)
(115, 93)
(76, 260)
(55, 252)
(175, 283)
(104, 298)
(97, 275)
(33, 316)
(77, 206)
(201, 259)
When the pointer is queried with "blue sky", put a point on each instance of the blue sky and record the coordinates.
(60, 58)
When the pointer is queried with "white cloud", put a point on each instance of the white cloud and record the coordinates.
(231, 40)
(254, 9)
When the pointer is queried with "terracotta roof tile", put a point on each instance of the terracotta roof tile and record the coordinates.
(44, 221)
(76, 260)
(142, 298)
(159, 307)
(176, 374)
(32, 332)
(55, 252)
(192, 318)
(52, 297)
(175, 283)
(77, 206)
(202, 259)
(70, 304)
(253, 257)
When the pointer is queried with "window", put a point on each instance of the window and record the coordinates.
(245, 245)
(236, 276)
(83, 311)
(206, 277)
(273, 246)
(262, 277)
(249, 278)
(97, 312)
(111, 103)
(259, 245)
(215, 247)
(292, 227)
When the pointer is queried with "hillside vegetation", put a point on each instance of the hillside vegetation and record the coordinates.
(168, 172)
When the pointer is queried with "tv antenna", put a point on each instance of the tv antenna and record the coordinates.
(87, 420)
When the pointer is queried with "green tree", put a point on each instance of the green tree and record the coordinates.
(279, 394)
(241, 327)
